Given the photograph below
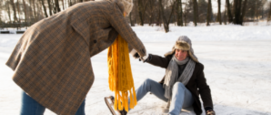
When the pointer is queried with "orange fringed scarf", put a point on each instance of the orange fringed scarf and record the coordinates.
(120, 75)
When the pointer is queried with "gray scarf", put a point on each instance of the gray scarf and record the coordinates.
(172, 77)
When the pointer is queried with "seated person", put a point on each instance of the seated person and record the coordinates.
(183, 81)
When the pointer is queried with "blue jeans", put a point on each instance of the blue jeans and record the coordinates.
(181, 96)
(32, 107)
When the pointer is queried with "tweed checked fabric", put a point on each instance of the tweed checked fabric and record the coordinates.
(51, 61)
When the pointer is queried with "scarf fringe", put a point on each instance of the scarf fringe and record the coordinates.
(120, 75)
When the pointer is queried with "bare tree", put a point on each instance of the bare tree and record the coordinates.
(70, 2)
(165, 20)
(179, 13)
(14, 10)
(243, 10)
(269, 16)
(50, 8)
(18, 12)
(141, 12)
(150, 13)
(158, 22)
(1, 8)
(25, 11)
(9, 11)
(219, 12)
(195, 7)
(239, 11)
(230, 18)
(33, 6)
(209, 12)
(44, 8)
(130, 17)
(57, 8)
(63, 6)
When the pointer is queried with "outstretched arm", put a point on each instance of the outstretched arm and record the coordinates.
(158, 60)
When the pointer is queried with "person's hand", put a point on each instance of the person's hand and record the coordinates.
(210, 112)
(134, 54)
(146, 58)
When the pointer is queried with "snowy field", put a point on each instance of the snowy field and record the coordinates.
(237, 63)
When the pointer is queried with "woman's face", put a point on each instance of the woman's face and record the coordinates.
(180, 54)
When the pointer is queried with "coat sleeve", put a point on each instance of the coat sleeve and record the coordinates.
(204, 89)
(159, 61)
(119, 23)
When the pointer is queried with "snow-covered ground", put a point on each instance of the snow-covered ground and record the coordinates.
(237, 63)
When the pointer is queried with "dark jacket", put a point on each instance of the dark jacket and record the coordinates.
(196, 85)
(51, 61)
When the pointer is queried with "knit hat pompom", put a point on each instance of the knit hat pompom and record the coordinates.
(128, 5)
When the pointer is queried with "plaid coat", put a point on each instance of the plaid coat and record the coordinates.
(51, 61)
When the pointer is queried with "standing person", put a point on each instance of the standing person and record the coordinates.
(51, 61)
(183, 81)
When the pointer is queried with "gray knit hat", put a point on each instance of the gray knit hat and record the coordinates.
(128, 5)
(183, 43)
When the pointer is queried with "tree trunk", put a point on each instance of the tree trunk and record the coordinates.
(63, 6)
(25, 13)
(164, 18)
(165, 21)
(34, 10)
(230, 18)
(185, 19)
(39, 8)
(209, 12)
(179, 13)
(219, 12)
(158, 22)
(70, 3)
(237, 12)
(50, 8)
(140, 8)
(14, 10)
(57, 6)
(269, 17)
(195, 8)
(256, 10)
(9, 14)
(31, 11)
(243, 11)
(1, 16)
(224, 18)
(151, 12)
(18, 12)
(130, 17)
(44, 8)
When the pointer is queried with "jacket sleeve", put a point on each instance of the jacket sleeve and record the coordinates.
(159, 61)
(204, 89)
(119, 23)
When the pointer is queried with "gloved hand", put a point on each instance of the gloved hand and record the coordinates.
(146, 57)
(134, 54)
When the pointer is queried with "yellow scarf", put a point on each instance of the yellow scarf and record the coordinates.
(120, 75)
